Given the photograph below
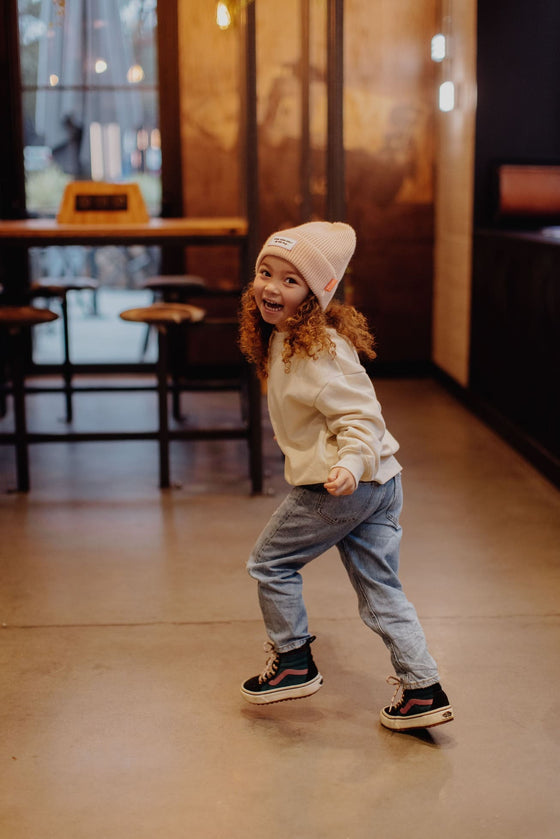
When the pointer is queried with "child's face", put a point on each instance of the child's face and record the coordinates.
(279, 290)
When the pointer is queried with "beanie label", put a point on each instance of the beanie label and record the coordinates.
(331, 284)
(282, 242)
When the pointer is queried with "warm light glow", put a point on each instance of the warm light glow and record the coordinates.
(135, 74)
(439, 50)
(223, 16)
(112, 150)
(142, 139)
(446, 96)
(96, 151)
(53, 80)
(100, 65)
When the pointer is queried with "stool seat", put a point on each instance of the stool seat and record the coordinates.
(15, 319)
(25, 316)
(57, 286)
(165, 314)
(172, 288)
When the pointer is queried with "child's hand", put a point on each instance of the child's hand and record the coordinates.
(340, 481)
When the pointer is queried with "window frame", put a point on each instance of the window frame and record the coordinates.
(14, 262)
(12, 176)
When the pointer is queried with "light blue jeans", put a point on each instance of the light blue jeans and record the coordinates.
(365, 528)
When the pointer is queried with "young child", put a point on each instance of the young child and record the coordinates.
(340, 461)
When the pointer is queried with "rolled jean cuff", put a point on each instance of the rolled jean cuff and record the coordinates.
(416, 684)
(294, 645)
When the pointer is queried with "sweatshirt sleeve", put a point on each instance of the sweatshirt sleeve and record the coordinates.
(353, 416)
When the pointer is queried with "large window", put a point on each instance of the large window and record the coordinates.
(89, 92)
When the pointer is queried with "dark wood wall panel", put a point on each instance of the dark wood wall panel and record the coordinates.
(516, 292)
(516, 354)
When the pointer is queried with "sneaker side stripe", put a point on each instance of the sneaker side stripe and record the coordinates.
(288, 672)
(412, 702)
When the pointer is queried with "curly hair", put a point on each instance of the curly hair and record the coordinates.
(306, 331)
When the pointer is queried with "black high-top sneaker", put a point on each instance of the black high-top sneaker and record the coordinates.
(291, 675)
(417, 708)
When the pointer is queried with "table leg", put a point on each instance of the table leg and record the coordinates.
(22, 455)
(163, 435)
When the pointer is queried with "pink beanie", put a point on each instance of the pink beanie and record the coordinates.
(320, 252)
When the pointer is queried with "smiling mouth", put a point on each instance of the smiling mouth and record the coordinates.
(270, 306)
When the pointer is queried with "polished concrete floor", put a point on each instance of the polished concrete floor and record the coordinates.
(128, 623)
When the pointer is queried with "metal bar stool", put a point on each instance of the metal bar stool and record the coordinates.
(179, 288)
(164, 316)
(58, 287)
(14, 320)
(173, 288)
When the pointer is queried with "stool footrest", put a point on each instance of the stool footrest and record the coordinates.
(238, 433)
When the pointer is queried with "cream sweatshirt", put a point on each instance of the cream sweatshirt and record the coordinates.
(325, 413)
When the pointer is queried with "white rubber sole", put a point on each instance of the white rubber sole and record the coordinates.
(427, 720)
(283, 694)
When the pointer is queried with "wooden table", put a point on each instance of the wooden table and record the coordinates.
(16, 236)
(189, 231)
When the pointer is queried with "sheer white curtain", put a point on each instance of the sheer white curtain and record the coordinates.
(87, 107)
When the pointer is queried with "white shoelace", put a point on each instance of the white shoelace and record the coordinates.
(394, 680)
(271, 665)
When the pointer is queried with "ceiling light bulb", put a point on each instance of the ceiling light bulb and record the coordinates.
(439, 50)
(446, 96)
(223, 15)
